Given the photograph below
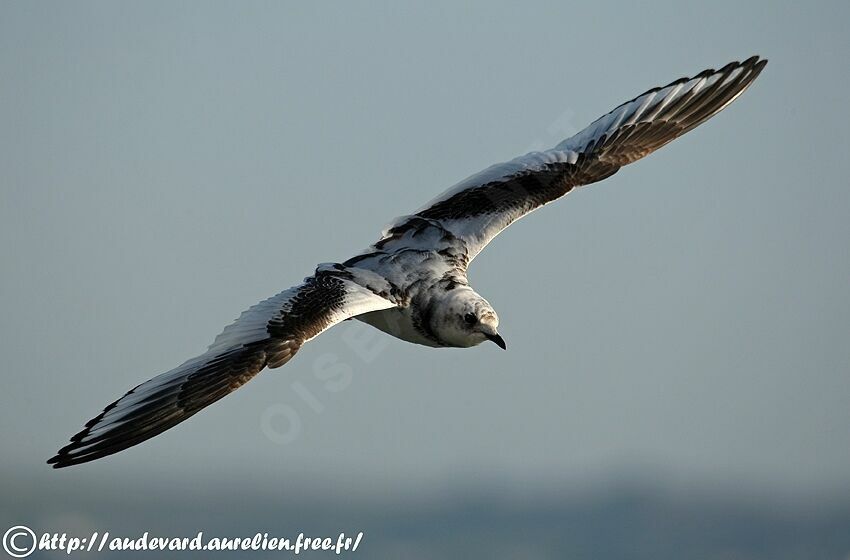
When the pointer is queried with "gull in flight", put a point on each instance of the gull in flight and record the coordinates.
(412, 282)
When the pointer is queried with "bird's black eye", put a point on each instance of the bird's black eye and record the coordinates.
(470, 319)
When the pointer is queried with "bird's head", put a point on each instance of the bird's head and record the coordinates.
(465, 319)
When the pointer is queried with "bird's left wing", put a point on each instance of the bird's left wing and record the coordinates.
(478, 208)
(266, 335)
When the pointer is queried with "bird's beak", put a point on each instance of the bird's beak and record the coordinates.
(500, 342)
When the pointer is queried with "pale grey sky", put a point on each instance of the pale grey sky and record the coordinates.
(167, 165)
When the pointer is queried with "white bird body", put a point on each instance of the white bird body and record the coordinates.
(412, 283)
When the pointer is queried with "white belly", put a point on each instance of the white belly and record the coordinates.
(398, 323)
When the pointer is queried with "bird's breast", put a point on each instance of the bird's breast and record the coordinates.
(399, 323)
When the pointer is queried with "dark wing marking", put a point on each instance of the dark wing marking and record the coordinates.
(266, 335)
(480, 207)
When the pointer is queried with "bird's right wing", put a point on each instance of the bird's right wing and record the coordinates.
(478, 208)
(268, 334)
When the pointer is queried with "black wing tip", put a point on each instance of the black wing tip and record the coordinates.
(63, 457)
(751, 62)
(755, 63)
(56, 462)
(61, 460)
